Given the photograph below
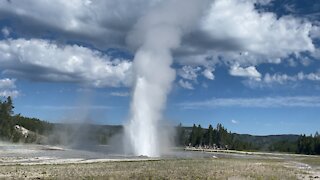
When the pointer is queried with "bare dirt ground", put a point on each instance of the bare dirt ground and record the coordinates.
(43, 162)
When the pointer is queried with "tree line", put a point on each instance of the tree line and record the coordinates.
(309, 144)
(218, 137)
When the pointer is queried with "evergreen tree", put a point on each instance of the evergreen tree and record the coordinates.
(199, 135)
(317, 143)
(181, 135)
(9, 106)
(6, 124)
(193, 136)
(308, 144)
(210, 136)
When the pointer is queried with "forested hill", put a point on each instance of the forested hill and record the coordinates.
(219, 137)
(284, 143)
(39, 131)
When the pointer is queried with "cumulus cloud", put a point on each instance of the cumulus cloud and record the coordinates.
(186, 84)
(263, 102)
(269, 80)
(44, 60)
(315, 32)
(250, 39)
(279, 78)
(81, 20)
(220, 36)
(189, 72)
(221, 27)
(250, 72)
(260, 33)
(283, 78)
(8, 88)
(208, 73)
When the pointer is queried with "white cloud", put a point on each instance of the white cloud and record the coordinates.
(221, 30)
(45, 60)
(259, 33)
(6, 93)
(101, 22)
(284, 78)
(263, 2)
(189, 72)
(7, 83)
(310, 76)
(8, 88)
(316, 54)
(208, 74)
(315, 32)
(263, 102)
(186, 84)
(278, 78)
(269, 80)
(120, 94)
(248, 40)
(250, 72)
(220, 36)
(234, 121)
(5, 31)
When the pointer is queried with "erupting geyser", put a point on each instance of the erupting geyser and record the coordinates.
(155, 35)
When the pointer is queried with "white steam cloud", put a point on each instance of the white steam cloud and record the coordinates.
(155, 35)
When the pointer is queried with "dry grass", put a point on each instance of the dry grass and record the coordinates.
(162, 169)
(312, 161)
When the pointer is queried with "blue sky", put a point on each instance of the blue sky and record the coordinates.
(253, 66)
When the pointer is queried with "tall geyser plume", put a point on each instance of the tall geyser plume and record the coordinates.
(154, 36)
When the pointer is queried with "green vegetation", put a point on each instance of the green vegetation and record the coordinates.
(309, 144)
(8, 121)
(222, 139)
(211, 138)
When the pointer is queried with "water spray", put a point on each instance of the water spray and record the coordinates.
(155, 35)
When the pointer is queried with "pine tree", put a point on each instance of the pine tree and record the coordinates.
(193, 136)
(6, 124)
(199, 135)
(210, 136)
(9, 106)
(181, 135)
(317, 143)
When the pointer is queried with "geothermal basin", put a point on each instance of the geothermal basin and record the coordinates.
(12, 154)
